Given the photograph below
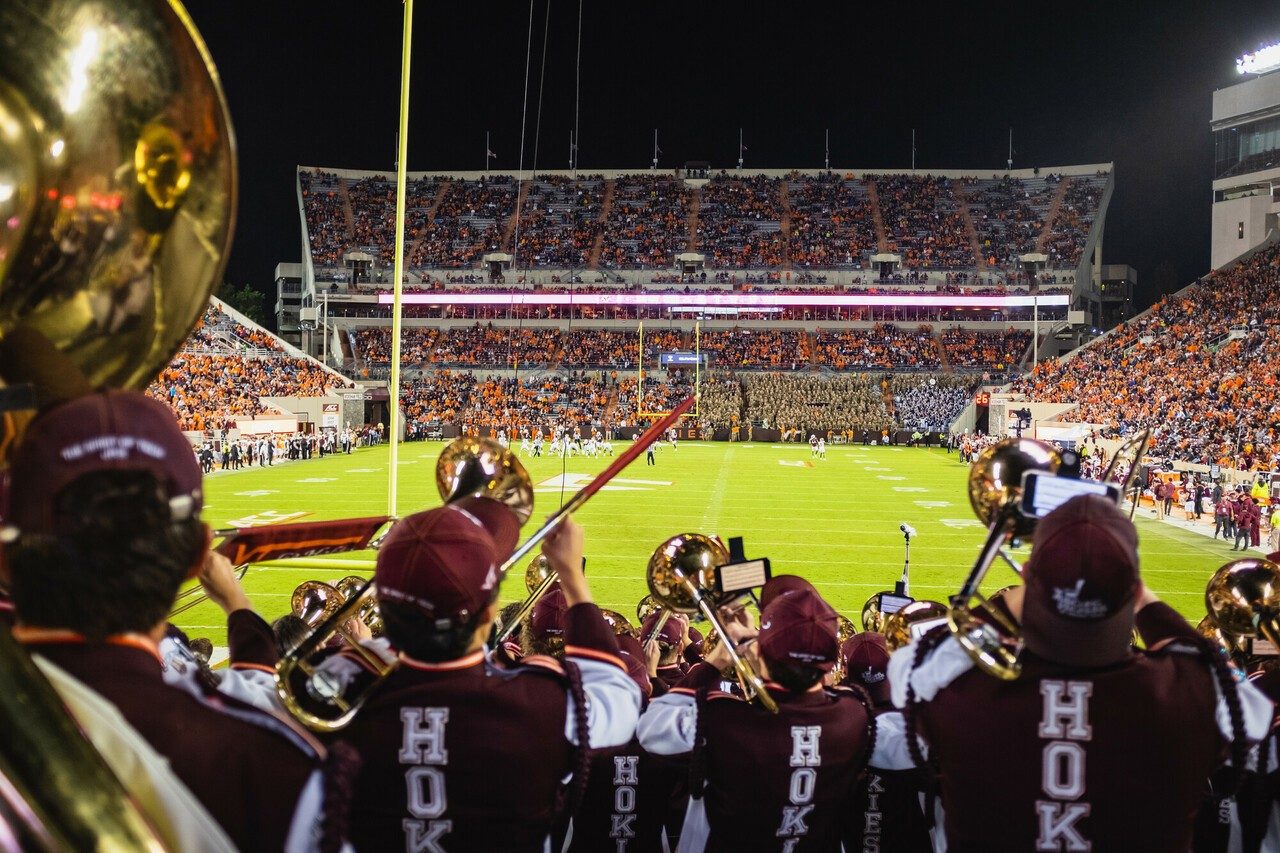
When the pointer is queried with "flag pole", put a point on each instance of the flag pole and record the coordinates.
(402, 156)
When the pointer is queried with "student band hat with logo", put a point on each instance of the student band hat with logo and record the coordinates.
(444, 561)
(108, 431)
(1081, 580)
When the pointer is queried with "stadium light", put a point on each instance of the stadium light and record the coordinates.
(1260, 61)
(738, 300)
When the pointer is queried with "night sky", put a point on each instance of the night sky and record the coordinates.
(317, 83)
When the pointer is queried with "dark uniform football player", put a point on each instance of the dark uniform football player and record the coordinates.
(104, 526)
(767, 781)
(458, 753)
(1095, 745)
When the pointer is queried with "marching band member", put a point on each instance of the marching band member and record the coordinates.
(1095, 745)
(889, 802)
(430, 732)
(105, 528)
(765, 781)
(627, 790)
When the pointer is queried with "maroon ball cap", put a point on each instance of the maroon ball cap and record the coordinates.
(781, 585)
(670, 633)
(1081, 580)
(799, 627)
(444, 561)
(632, 654)
(866, 663)
(108, 431)
(547, 618)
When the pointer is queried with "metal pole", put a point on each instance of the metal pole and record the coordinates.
(325, 329)
(393, 415)
(655, 148)
(739, 149)
(1035, 329)
(487, 149)
(913, 149)
(826, 148)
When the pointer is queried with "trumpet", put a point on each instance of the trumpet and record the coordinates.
(681, 577)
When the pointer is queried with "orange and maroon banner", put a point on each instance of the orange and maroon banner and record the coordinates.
(303, 539)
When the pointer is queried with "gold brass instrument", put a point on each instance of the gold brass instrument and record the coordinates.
(995, 488)
(315, 601)
(1123, 468)
(681, 577)
(873, 616)
(536, 573)
(845, 630)
(117, 196)
(369, 615)
(1232, 645)
(1243, 599)
(646, 608)
(617, 622)
(898, 626)
(469, 466)
(118, 156)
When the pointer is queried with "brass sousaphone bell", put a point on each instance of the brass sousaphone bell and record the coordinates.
(117, 194)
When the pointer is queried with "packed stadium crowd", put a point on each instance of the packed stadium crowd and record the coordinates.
(883, 347)
(970, 348)
(807, 402)
(227, 368)
(929, 403)
(1198, 369)
(642, 221)
(442, 720)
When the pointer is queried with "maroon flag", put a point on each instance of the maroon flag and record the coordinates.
(303, 539)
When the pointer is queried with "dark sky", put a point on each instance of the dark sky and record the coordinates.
(317, 83)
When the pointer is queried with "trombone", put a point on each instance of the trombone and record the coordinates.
(991, 639)
(681, 576)
(468, 467)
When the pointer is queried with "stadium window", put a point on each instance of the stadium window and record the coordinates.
(1240, 230)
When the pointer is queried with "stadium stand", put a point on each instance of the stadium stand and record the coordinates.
(928, 402)
(1198, 369)
(883, 347)
(623, 221)
(982, 350)
(228, 366)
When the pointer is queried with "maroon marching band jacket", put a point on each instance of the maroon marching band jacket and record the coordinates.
(468, 755)
(259, 776)
(781, 781)
(1061, 758)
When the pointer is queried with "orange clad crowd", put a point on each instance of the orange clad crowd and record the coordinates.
(1199, 369)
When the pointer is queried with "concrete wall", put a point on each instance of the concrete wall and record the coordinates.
(1227, 240)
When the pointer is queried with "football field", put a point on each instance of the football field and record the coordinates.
(833, 521)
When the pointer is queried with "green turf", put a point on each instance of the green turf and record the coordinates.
(834, 521)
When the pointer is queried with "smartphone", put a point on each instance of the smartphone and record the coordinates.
(1042, 492)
